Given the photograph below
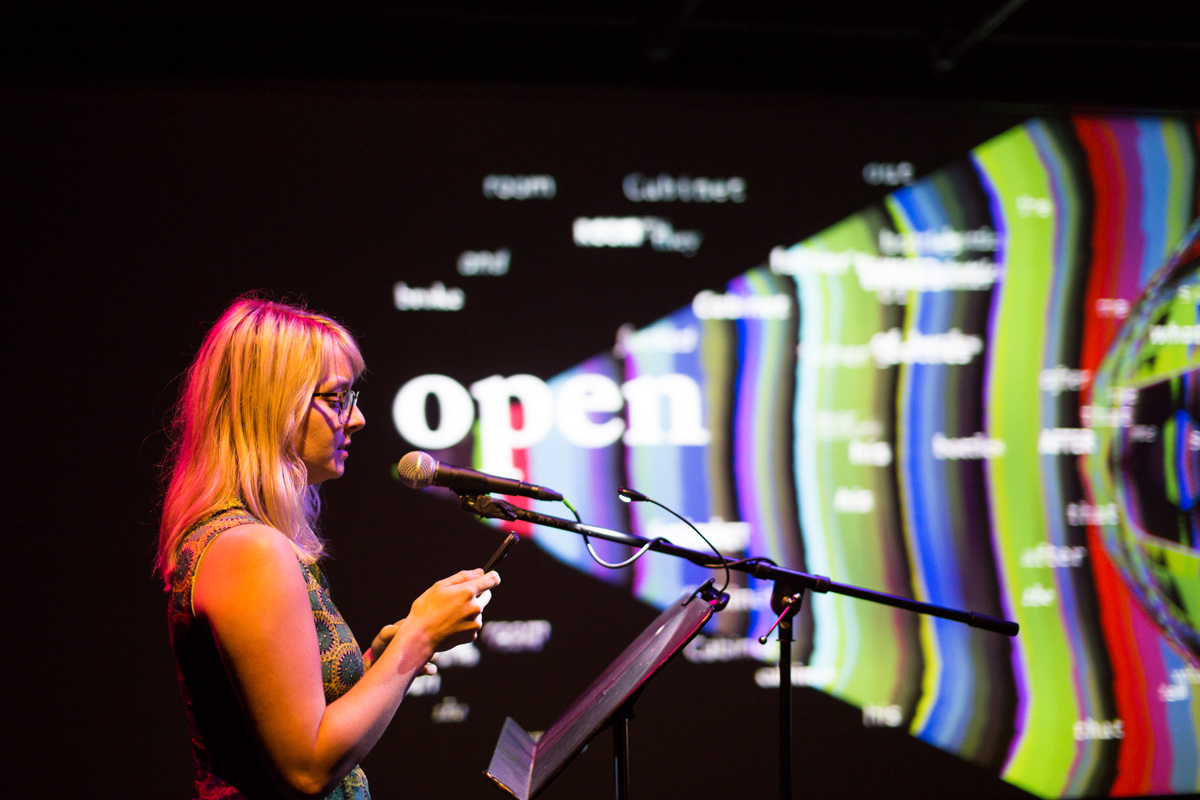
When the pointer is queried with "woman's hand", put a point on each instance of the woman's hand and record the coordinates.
(380, 643)
(449, 613)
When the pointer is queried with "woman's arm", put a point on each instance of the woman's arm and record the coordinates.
(250, 590)
(380, 643)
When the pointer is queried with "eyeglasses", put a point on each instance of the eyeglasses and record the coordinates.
(342, 404)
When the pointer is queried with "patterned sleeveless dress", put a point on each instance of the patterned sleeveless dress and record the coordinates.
(229, 760)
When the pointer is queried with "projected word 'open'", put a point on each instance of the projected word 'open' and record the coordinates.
(586, 410)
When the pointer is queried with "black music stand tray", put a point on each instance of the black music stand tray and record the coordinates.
(523, 766)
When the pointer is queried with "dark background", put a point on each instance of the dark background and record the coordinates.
(159, 162)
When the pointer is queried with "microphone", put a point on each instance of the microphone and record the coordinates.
(418, 470)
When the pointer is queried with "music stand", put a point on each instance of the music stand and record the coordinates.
(523, 766)
(790, 586)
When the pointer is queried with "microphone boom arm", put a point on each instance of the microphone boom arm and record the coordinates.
(490, 507)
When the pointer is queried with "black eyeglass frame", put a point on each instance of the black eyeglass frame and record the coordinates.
(344, 405)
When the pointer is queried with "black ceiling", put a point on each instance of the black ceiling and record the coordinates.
(1140, 55)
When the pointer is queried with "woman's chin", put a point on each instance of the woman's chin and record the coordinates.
(329, 473)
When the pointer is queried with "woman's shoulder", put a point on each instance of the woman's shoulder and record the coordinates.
(251, 543)
(248, 566)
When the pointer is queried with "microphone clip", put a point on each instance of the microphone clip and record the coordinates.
(709, 592)
(487, 506)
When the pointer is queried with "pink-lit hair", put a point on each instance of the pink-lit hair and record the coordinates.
(237, 424)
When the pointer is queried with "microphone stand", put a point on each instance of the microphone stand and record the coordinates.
(787, 605)
(786, 598)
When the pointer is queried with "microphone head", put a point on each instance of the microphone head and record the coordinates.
(416, 470)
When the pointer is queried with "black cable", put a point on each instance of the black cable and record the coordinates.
(629, 495)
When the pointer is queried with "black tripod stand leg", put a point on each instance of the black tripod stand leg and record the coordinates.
(620, 727)
(785, 711)
(790, 605)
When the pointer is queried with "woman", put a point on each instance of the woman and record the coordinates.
(281, 702)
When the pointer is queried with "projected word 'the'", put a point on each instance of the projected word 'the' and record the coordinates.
(882, 715)
(684, 189)
(586, 410)
(519, 187)
(450, 711)
(1038, 596)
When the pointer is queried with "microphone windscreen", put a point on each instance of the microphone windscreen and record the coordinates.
(416, 470)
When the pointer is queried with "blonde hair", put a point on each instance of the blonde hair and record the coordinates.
(237, 423)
